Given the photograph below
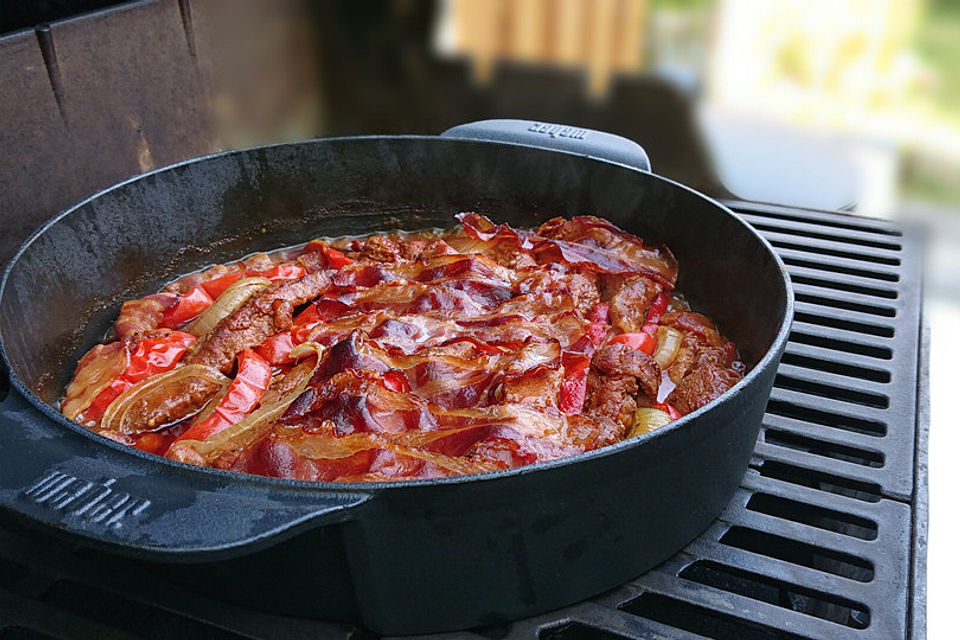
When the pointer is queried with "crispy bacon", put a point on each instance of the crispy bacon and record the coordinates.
(471, 350)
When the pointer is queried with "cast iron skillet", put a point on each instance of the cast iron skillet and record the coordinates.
(402, 557)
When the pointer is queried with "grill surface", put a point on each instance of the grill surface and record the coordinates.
(826, 538)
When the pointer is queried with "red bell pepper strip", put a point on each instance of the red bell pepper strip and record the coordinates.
(599, 324)
(243, 394)
(573, 388)
(656, 309)
(309, 315)
(151, 443)
(215, 286)
(151, 356)
(286, 271)
(336, 259)
(642, 341)
(188, 306)
(674, 414)
(276, 349)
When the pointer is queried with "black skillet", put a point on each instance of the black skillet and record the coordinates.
(402, 557)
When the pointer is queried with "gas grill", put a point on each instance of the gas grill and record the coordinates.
(825, 539)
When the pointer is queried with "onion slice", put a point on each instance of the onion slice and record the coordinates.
(163, 398)
(668, 345)
(646, 419)
(226, 303)
(97, 369)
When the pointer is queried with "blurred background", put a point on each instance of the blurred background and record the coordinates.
(823, 104)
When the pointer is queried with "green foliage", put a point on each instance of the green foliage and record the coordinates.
(937, 42)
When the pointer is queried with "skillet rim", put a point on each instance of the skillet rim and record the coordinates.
(202, 473)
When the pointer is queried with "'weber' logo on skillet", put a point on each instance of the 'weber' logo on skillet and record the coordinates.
(558, 131)
(96, 502)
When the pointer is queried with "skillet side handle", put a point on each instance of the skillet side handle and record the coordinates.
(142, 505)
(558, 137)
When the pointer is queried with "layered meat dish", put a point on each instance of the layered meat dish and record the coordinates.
(407, 355)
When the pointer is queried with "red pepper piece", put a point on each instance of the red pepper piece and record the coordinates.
(674, 414)
(188, 306)
(336, 259)
(307, 316)
(284, 271)
(396, 381)
(152, 356)
(642, 341)
(599, 324)
(151, 443)
(276, 349)
(215, 286)
(243, 394)
(656, 309)
(573, 388)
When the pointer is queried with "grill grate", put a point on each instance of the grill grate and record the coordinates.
(824, 540)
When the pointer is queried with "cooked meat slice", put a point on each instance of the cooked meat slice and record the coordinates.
(620, 360)
(701, 344)
(183, 399)
(701, 386)
(256, 320)
(414, 250)
(380, 249)
(510, 256)
(690, 346)
(582, 287)
(629, 297)
(617, 374)
(611, 402)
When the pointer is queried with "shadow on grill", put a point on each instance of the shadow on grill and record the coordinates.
(832, 392)
(706, 622)
(832, 450)
(779, 593)
(839, 522)
(834, 268)
(865, 491)
(883, 311)
(839, 368)
(827, 419)
(890, 294)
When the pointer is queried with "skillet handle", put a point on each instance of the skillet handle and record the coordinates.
(109, 496)
(558, 137)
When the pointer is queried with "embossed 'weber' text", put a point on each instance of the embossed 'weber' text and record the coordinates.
(96, 502)
(558, 131)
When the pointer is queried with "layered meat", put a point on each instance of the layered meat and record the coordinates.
(408, 355)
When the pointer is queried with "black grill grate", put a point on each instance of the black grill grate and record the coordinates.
(824, 540)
